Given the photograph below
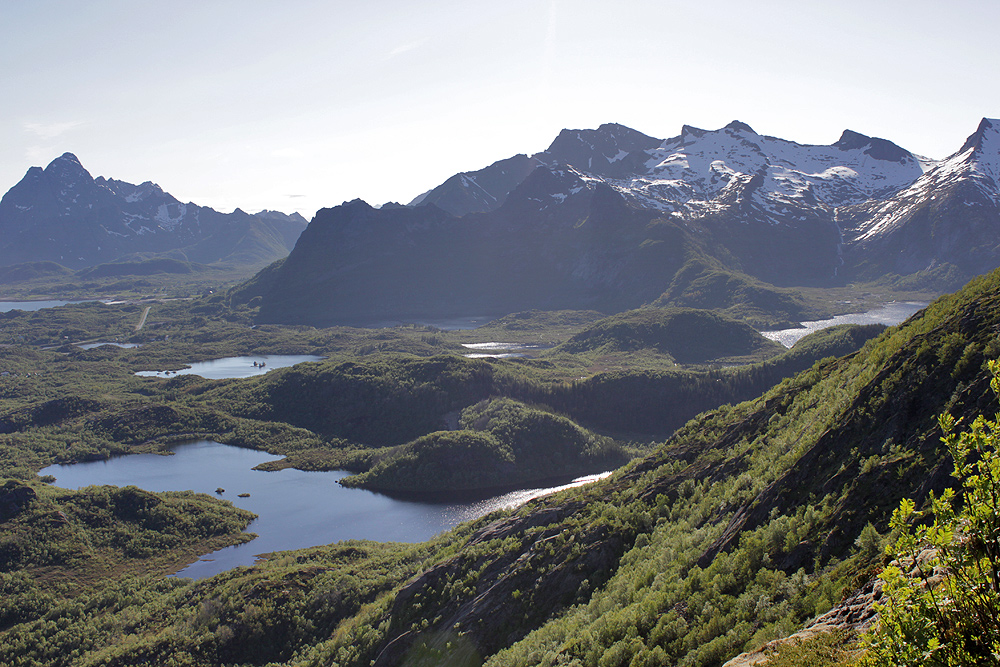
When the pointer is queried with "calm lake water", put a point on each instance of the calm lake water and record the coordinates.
(30, 305)
(91, 346)
(236, 367)
(445, 324)
(296, 509)
(890, 314)
(497, 350)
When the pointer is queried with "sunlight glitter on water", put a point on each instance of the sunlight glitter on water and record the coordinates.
(890, 314)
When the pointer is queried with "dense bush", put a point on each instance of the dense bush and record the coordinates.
(942, 591)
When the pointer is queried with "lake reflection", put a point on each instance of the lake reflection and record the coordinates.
(296, 509)
(236, 367)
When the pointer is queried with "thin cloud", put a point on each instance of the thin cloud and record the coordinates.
(403, 48)
(51, 130)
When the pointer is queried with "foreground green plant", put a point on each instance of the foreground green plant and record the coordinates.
(947, 612)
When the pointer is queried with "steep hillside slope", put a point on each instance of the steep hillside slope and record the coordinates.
(762, 501)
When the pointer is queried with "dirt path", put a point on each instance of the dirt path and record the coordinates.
(142, 320)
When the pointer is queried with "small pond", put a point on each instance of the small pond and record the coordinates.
(91, 346)
(236, 367)
(495, 350)
(297, 509)
(891, 314)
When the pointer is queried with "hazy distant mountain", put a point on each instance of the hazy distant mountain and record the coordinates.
(606, 219)
(64, 215)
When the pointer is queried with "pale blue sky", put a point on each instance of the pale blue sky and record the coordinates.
(303, 104)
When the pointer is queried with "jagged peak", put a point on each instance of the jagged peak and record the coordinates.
(880, 149)
(67, 157)
(739, 126)
(612, 130)
(975, 140)
(618, 128)
(359, 204)
(68, 170)
(66, 163)
(690, 131)
(851, 140)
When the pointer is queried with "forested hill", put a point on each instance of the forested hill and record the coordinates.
(742, 526)
(739, 528)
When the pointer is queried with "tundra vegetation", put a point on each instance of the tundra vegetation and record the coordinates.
(750, 498)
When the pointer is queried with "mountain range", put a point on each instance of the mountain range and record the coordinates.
(612, 219)
(64, 215)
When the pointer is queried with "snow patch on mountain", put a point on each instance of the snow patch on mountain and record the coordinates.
(170, 215)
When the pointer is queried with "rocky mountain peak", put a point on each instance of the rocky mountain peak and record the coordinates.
(740, 126)
(67, 166)
(977, 138)
(851, 140)
(690, 133)
(880, 149)
(62, 214)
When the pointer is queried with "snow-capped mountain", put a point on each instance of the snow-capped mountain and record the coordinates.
(948, 216)
(611, 218)
(687, 173)
(63, 214)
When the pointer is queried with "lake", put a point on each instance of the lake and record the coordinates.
(236, 367)
(890, 314)
(296, 509)
(31, 305)
(497, 350)
(456, 323)
(91, 346)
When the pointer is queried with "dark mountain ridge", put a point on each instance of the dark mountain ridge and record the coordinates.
(606, 219)
(62, 214)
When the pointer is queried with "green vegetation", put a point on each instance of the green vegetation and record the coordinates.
(81, 538)
(377, 389)
(730, 532)
(246, 616)
(159, 278)
(148, 267)
(942, 590)
(502, 444)
(687, 335)
(32, 271)
(701, 283)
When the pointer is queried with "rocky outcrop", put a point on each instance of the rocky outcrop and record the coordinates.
(14, 498)
(854, 615)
